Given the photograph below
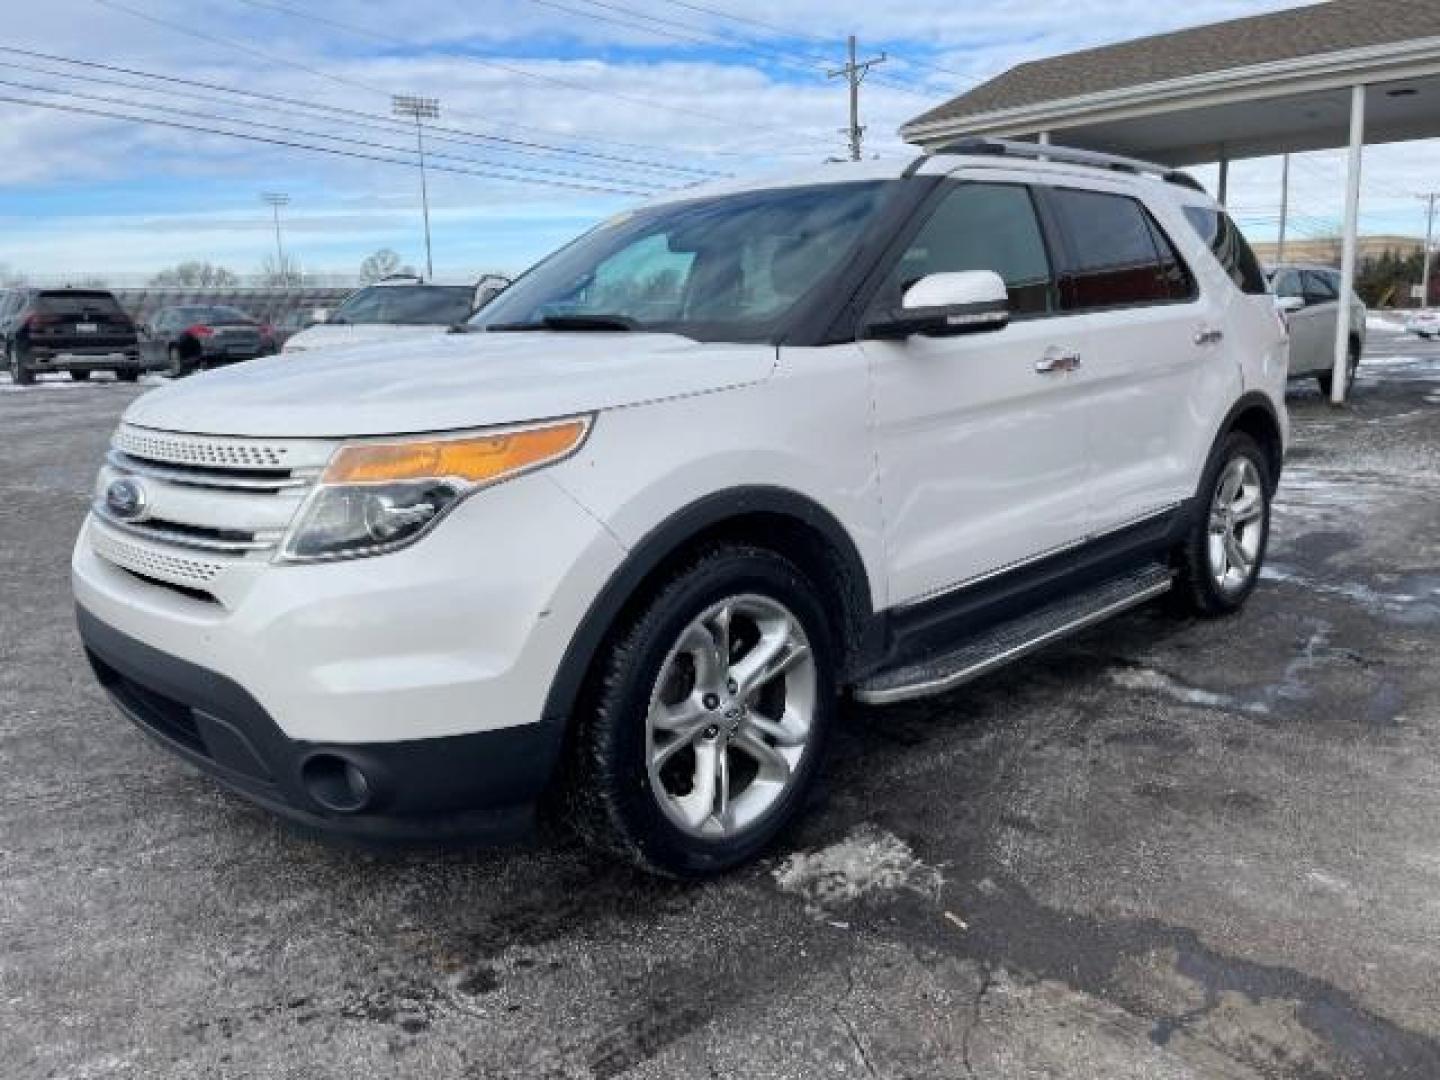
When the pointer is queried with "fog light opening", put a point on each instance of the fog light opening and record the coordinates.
(336, 784)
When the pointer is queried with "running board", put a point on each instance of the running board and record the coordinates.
(1000, 645)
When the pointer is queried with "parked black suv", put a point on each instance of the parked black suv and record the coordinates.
(74, 330)
(195, 336)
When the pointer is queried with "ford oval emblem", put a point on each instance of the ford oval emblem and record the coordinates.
(125, 500)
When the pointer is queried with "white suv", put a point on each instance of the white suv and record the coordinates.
(868, 429)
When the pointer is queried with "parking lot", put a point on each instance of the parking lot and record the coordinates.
(1166, 849)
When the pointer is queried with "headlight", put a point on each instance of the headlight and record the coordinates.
(376, 497)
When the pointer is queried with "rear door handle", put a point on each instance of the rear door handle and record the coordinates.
(1209, 337)
(1056, 361)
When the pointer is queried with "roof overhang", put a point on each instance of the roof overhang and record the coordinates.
(1281, 107)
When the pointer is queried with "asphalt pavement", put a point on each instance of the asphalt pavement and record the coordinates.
(1169, 848)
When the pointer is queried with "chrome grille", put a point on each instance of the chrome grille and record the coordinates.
(176, 569)
(211, 504)
(203, 450)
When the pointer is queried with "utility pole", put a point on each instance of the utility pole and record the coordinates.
(854, 73)
(277, 199)
(420, 109)
(1429, 246)
(1284, 207)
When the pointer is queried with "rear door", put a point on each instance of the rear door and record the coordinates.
(1322, 303)
(1155, 367)
(980, 438)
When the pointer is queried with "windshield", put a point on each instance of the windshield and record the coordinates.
(413, 305)
(730, 268)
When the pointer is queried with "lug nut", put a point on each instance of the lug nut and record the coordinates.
(711, 731)
(712, 701)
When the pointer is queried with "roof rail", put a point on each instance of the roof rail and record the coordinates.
(1069, 155)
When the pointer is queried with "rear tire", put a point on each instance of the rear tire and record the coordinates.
(686, 761)
(127, 374)
(79, 376)
(1221, 556)
(21, 372)
(1326, 379)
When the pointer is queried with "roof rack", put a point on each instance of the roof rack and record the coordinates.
(1069, 155)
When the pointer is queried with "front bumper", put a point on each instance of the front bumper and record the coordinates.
(480, 787)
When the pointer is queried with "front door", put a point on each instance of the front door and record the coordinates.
(980, 438)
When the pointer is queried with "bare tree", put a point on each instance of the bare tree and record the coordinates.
(286, 272)
(195, 274)
(381, 265)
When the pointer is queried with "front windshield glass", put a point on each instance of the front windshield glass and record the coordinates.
(411, 305)
(724, 269)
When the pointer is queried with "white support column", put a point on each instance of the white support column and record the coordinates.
(1340, 378)
(1223, 198)
(1043, 138)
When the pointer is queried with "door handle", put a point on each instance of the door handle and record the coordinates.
(1056, 361)
(1209, 337)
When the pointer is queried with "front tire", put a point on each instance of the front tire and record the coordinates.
(79, 376)
(1221, 556)
(702, 731)
(127, 374)
(21, 374)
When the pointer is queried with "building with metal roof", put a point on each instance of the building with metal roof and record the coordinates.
(1337, 74)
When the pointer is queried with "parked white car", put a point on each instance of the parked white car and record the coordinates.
(871, 428)
(397, 309)
(1310, 298)
(1425, 324)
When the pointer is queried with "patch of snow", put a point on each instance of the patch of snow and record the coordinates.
(1150, 680)
(868, 863)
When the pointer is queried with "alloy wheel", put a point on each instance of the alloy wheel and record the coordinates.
(730, 716)
(1237, 525)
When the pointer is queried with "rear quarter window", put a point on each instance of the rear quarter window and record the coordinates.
(1229, 246)
(78, 304)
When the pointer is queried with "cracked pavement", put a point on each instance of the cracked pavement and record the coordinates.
(1168, 848)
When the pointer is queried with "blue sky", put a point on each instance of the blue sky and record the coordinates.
(621, 94)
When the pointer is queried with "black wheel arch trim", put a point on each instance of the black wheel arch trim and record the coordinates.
(1250, 401)
(674, 535)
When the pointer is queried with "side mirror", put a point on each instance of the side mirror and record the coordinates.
(942, 305)
(1290, 304)
(320, 315)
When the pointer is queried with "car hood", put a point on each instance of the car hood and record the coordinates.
(331, 335)
(446, 383)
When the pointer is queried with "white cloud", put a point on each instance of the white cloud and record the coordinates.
(725, 110)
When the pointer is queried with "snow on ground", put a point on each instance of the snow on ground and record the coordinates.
(868, 863)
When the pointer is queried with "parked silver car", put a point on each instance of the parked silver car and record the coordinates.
(1310, 298)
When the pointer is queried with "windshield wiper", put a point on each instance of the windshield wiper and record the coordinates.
(568, 322)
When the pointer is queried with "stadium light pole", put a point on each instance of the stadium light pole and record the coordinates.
(277, 199)
(420, 109)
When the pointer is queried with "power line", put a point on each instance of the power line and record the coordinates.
(297, 145)
(245, 122)
(776, 28)
(355, 116)
(483, 62)
(813, 63)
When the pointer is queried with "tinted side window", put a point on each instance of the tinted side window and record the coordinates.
(1287, 283)
(981, 227)
(1230, 247)
(1179, 282)
(1115, 261)
(1319, 288)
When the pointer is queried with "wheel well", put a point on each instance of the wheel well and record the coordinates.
(806, 535)
(842, 586)
(1260, 424)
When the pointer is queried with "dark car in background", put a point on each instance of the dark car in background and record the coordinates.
(79, 331)
(192, 337)
(281, 329)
